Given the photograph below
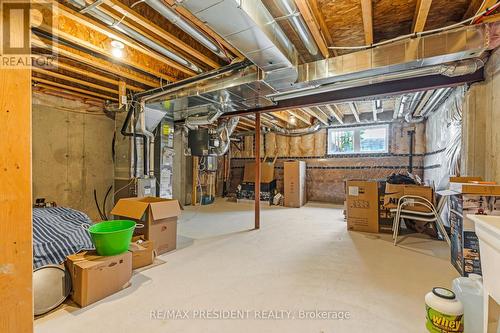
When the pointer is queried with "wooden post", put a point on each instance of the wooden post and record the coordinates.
(16, 248)
(257, 170)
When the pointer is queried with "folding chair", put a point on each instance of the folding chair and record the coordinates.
(430, 216)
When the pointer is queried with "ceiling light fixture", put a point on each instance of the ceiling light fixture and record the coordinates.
(117, 48)
(293, 120)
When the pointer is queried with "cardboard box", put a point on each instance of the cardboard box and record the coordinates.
(96, 277)
(393, 192)
(471, 188)
(385, 217)
(362, 205)
(266, 172)
(294, 179)
(159, 217)
(465, 179)
(142, 252)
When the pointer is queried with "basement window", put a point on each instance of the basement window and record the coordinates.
(358, 140)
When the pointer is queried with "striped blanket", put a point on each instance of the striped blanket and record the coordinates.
(57, 232)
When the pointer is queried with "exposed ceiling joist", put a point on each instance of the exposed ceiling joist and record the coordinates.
(335, 112)
(318, 114)
(477, 6)
(322, 24)
(65, 93)
(283, 116)
(421, 13)
(311, 23)
(98, 77)
(131, 15)
(491, 18)
(297, 114)
(74, 80)
(93, 62)
(115, 35)
(354, 110)
(71, 88)
(366, 11)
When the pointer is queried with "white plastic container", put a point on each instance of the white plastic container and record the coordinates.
(469, 291)
(444, 312)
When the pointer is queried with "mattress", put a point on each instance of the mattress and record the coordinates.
(57, 233)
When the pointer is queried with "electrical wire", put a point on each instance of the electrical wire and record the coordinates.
(97, 205)
(418, 34)
(104, 202)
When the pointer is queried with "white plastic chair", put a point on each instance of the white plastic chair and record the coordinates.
(430, 216)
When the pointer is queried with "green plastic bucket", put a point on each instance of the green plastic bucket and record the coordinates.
(112, 237)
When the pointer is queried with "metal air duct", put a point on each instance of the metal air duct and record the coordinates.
(251, 29)
(173, 17)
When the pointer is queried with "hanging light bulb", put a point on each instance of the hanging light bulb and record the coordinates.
(117, 49)
(293, 120)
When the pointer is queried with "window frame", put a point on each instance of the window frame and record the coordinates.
(357, 139)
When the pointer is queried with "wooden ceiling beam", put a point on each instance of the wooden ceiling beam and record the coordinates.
(82, 72)
(334, 110)
(71, 88)
(491, 18)
(354, 110)
(311, 23)
(297, 114)
(74, 80)
(93, 62)
(318, 114)
(421, 13)
(42, 87)
(366, 12)
(150, 26)
(282, 116)
(322, 24)
(127, 41)
(477, 6)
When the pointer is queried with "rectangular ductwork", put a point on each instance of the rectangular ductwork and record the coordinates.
(250, 28)
(419, 52)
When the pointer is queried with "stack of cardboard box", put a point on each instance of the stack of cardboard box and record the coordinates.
(95, 277)
(471, 196)
(368, 203)
(267, 182)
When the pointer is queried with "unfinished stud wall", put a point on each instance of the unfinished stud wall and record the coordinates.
(72, 153)
(326, 173)
(481, 140)
(443, 139)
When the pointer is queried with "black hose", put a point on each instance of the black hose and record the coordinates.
(124, 132)
(104, 202)
(97, 205)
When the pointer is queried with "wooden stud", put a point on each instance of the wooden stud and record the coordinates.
(257, 171)
(421, 13)
(366, 12)
(311, 23)
(16, 255)
(122, 94)
(67, 87)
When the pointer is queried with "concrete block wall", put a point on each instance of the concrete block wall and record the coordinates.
(326, 173)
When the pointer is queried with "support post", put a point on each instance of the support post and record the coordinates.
(257, 170)
(16, 249)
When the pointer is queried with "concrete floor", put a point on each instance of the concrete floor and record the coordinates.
(300, 260)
